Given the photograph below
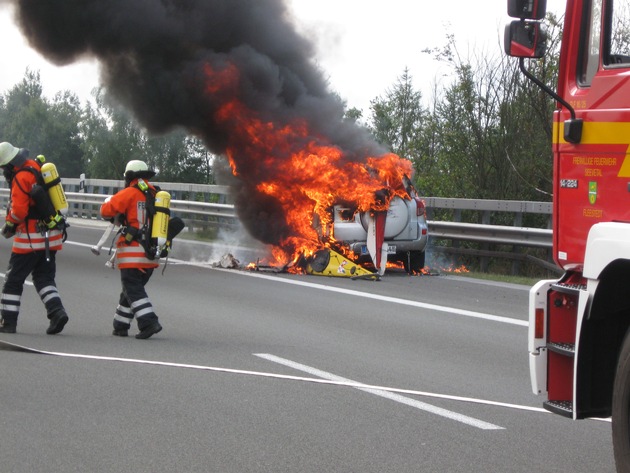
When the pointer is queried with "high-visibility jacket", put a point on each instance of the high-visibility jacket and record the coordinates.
(131, 202)
(28, 236)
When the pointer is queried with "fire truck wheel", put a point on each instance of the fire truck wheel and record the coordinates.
(621, 408)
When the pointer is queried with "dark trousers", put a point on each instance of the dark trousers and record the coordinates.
(43, 275)
(134, 301)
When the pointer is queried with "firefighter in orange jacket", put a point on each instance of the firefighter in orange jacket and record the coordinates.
(33, 251)
(127, 208)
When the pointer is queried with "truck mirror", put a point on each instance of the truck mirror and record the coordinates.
(527, 9)
(525, 39)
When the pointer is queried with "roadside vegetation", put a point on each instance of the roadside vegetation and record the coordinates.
(505, 278)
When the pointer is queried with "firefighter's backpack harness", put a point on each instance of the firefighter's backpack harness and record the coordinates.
(158, 230)
(50, 202)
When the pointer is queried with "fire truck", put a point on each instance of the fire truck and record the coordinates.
(579, 337)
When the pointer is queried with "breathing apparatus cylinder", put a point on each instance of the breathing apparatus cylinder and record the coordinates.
(55, 189)
(159, 227)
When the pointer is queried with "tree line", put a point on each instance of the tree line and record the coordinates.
(486, 134)
(96, 138)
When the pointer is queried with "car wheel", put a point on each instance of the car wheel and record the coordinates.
(413, 261)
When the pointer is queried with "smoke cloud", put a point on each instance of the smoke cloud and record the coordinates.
(185, 63)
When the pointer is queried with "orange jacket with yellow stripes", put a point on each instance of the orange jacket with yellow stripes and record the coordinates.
(131, 202)
(28, 237)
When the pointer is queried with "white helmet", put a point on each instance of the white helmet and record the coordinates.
(7, 153)
(137, 168)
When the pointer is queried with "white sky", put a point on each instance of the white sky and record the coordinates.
(363, 45)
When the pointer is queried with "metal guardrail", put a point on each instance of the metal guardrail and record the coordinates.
(86, 204)
(498, 234)
(485, 232)
(178, 206)
(489, 205)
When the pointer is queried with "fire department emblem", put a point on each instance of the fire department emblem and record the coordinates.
(592, 192)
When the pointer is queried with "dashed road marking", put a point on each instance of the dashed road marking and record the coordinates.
(385, 393)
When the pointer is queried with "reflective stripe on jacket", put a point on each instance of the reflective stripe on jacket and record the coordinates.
(132, 256)
(34, 241)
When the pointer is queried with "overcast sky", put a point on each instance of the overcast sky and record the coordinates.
(363, 45)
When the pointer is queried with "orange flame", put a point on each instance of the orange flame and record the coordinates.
(310, 174)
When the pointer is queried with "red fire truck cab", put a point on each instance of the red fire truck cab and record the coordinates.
(579, 342)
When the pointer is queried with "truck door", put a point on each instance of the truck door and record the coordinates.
(593, 176)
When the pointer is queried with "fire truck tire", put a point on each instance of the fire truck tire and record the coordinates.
(621, 408)
(413, 261)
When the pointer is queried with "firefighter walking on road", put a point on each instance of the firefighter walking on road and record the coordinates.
(35, 242)
(128, 208)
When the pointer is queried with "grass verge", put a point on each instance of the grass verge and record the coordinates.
(523, 280)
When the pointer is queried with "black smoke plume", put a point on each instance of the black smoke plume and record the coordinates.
(169, 61)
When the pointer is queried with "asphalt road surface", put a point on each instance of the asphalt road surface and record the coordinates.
(265, 372)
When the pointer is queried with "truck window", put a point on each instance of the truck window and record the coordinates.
(617, 35)
(591, 42)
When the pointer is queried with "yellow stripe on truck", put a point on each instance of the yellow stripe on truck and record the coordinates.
(601, 133)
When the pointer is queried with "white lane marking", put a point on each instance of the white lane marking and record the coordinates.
(351, 292)
(395, 300)
(4, 345)
(480, 424)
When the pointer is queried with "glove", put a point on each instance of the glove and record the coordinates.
(118, 220)
(8, 229)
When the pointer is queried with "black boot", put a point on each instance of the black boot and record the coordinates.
(7, 327)
(58, 320)
(152, 329)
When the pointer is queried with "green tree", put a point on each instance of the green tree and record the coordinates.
(112, 137)
(62, 135)
(398, 118)
(354, 114)
(29, 120)
(526, 119)
(98, 138)
(179, 158)
(489, 131)
(198, 165)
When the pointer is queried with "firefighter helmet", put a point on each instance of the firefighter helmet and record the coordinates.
(137, 168)
(7, 153)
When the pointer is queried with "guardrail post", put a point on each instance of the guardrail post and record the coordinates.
(483, 260)
(457, 217)
(81, 189)
(516, 263)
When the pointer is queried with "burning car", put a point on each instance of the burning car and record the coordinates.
(405, 233)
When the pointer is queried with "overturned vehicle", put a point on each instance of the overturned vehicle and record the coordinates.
(399, 234)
